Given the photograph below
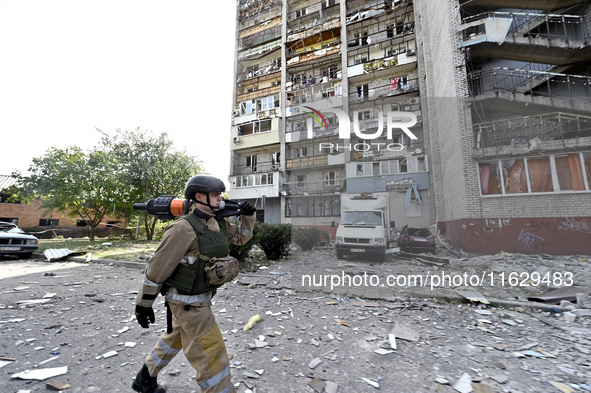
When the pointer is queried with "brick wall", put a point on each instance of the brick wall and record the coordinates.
(28, 215)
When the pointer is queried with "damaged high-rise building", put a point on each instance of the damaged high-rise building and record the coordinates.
(474, 116)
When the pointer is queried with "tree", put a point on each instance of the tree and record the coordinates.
(148, 167)
(78, 184)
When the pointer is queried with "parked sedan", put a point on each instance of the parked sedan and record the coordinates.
(13, 240)
(416, 239)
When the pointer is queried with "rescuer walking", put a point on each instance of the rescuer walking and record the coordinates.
(189, 264)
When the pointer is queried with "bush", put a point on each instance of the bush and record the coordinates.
(309, 237)
(274, 240)
(241, 252)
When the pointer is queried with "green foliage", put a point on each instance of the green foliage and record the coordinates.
(241, 252)
(149, 167)
(274, 240)
(80, 184)
(309, 237)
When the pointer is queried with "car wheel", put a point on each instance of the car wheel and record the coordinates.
(340, 255)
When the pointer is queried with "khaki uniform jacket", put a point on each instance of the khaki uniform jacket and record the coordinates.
(179, 244)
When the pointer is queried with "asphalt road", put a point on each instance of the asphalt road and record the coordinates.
(80, 316)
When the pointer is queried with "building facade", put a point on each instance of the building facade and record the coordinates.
(507, 92)
(473, 116)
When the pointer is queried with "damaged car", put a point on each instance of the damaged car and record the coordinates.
(416, 240)
(14, 241)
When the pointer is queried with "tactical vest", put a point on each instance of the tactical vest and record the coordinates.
(190, 279)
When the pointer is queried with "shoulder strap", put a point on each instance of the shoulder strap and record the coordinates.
(198, 225)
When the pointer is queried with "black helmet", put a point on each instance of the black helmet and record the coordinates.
(204, 184)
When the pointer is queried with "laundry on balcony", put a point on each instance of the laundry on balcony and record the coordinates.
(394, 84)
(410, 192)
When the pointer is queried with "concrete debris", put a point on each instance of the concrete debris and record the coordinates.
(472, 294)
(41, 374)
(57, 385)
(54, 255)
(481, 388)
(350, 335)
(555, 296)
(406, 333)
(314, 363)
(463, 384)
(392, 341)
(370, 382)
(562, 387)
(322, 386)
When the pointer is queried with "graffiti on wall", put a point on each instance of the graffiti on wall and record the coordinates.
(571, 224)
(530, 240)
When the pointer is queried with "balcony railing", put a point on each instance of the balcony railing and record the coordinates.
(258, 93)
(260, 167)
(534, 83)
(377, 6)
(262, 70)
(532, 28)
(255, 15)
(522, 129)
(395, 86)
(259, 38)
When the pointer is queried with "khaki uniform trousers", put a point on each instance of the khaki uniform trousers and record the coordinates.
(195, 331)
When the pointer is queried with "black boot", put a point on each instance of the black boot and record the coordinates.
(145, 383)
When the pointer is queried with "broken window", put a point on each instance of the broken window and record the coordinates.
(490, 179)
(540, 176)
(262, 126)
(251, 161)
(555, 173)
(332, 178)
(245, 129)
(570, 172)
(301, 181)
(363, 91)
(515, 177)
(49, 222)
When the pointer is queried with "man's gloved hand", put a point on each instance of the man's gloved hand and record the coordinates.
(248, 209)
(144, 316)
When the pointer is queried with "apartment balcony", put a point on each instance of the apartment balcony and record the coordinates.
(358, 10)
(310, 188)
(313, 44)
(513, 90)
(319, 95)
(377, 62)
(531, 37)
(312, 23)
(262, 73)
(388, 174)
(264, 92)
(260, 37)
(258, 167)
(255, 185)
(258, 14)
(394, 87)
(474, 6)
(260, 50)
(319, 161)
(519, 135)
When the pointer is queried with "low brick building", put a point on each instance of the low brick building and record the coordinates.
(36, 220)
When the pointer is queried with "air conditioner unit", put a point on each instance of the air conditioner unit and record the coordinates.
(415, 100)
(237, 139)
(411, 52)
